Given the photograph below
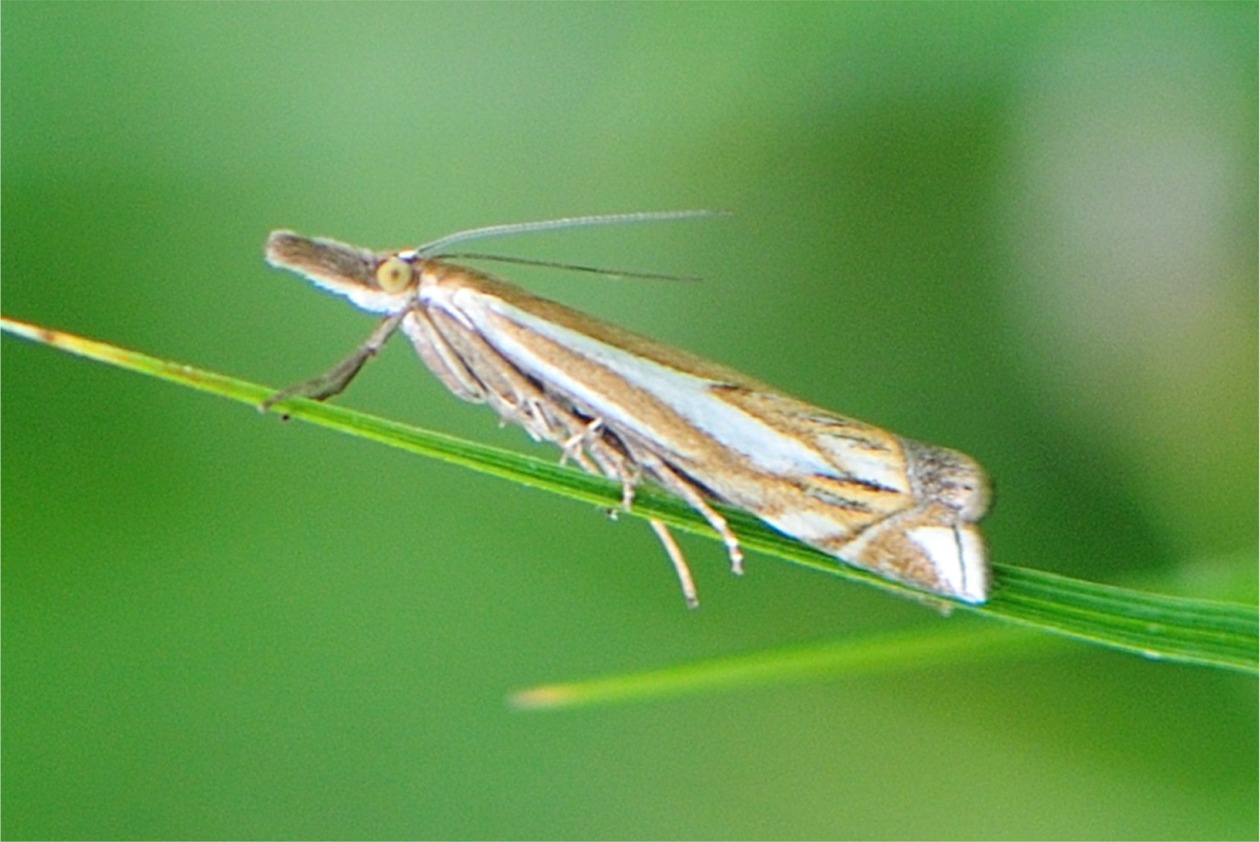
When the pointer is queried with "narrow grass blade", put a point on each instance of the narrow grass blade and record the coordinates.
(1192, 631)
(851, 657)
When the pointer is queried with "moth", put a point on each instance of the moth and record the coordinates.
(632, 409)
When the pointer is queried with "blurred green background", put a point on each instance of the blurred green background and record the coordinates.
(1026, 231)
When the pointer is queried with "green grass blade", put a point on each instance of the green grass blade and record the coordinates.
(867, 655)
(1191, 631)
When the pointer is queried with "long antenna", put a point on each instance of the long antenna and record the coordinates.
(571, 267)
(552, 224)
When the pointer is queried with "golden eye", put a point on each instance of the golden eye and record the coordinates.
(393, 275)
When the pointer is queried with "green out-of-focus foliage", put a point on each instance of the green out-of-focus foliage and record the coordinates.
(1026, 231)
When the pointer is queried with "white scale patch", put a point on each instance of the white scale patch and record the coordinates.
(766, 448)
(959, 566)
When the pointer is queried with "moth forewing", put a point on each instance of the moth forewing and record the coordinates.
(820, 477)
(629, 407)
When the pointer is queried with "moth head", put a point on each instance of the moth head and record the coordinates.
(374, 282)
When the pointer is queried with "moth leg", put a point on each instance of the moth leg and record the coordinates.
(576, 447)
(578, 442)
(618, 466)
(506, 389)
(515, 397)
(443, 360)
(613, 462)
(336, 380)
(680, 485)
(680, 563)
(629, 481)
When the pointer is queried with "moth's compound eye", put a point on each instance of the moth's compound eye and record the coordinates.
(393, 275)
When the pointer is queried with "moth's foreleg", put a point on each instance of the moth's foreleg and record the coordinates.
(336, 380)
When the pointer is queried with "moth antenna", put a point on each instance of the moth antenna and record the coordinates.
(574, 267)
(512, 228)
